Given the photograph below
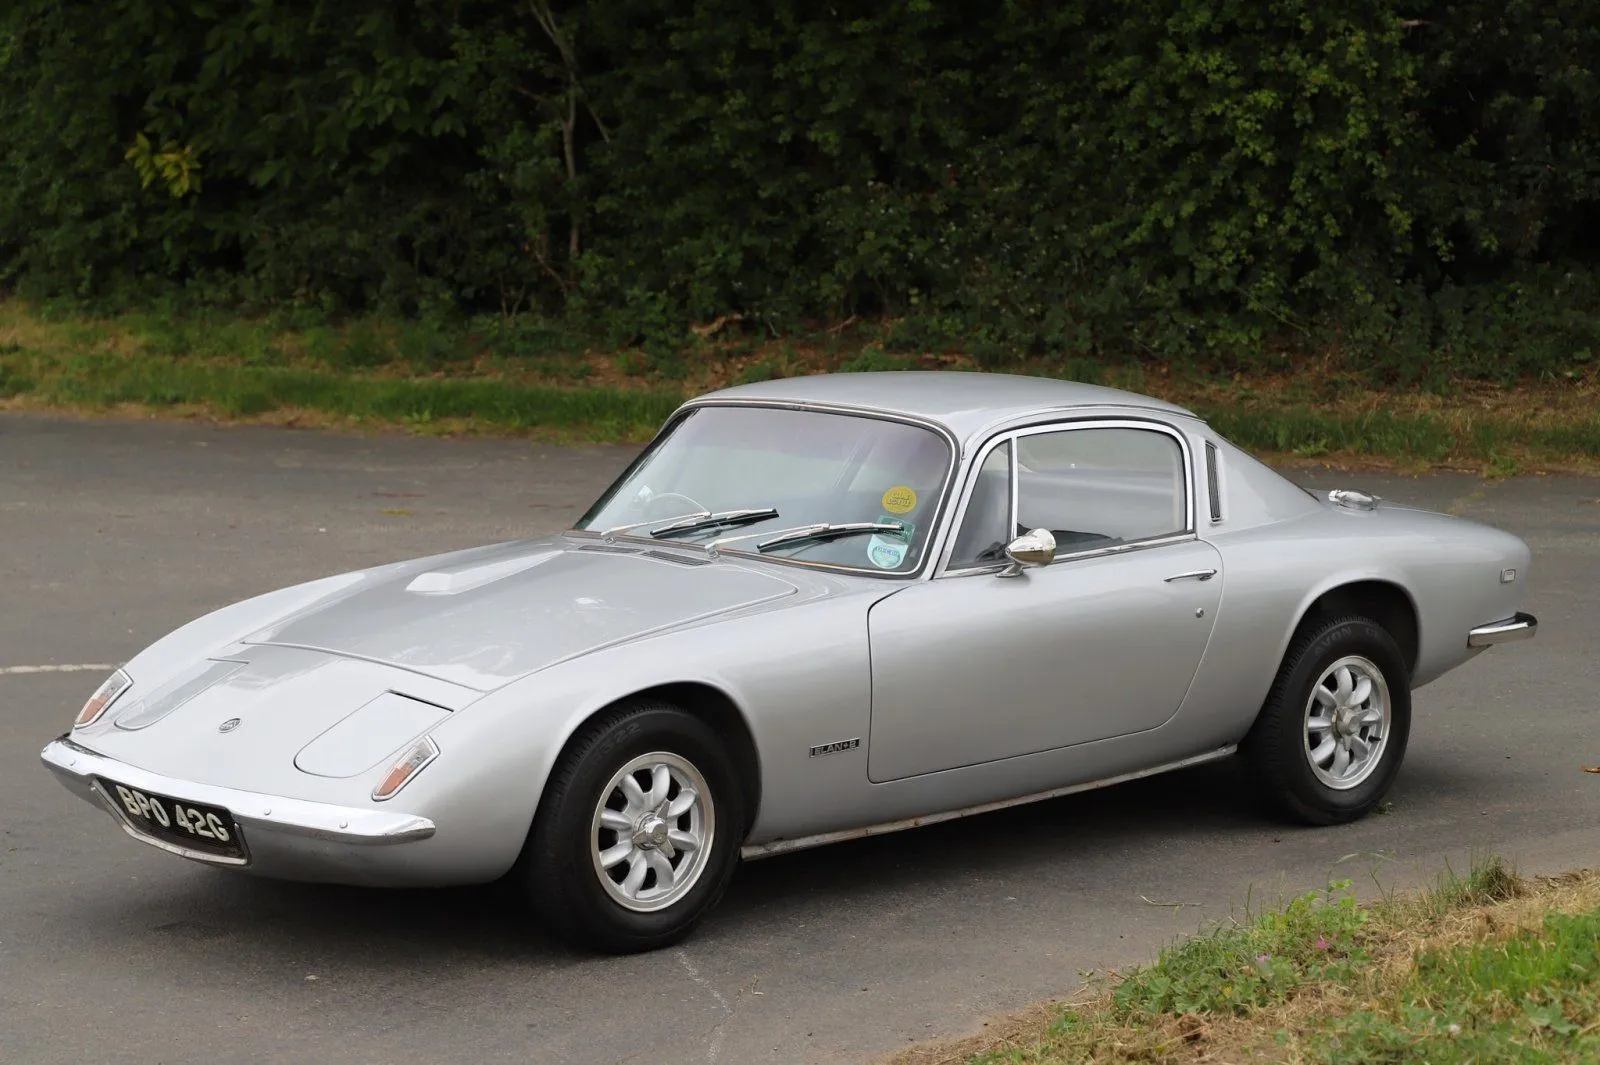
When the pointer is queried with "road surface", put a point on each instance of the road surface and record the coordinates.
(112, 533)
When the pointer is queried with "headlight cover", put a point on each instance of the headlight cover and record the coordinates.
(108, 693)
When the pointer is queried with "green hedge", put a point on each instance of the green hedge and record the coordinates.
(1415, 181)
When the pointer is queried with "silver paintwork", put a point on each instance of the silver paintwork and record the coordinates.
(968, 692)
(1347, 722)
(784, 846)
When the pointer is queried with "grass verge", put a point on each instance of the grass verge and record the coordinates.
(97, 382)
(420, 378)
(1488, 967)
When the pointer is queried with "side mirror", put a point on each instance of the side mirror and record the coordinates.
(1035, 548)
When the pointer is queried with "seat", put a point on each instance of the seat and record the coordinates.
(985, 525)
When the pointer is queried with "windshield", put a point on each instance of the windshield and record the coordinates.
(730, 466)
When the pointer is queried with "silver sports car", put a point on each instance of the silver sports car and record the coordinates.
(811, 610)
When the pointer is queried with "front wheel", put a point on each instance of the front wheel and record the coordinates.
(638, 832)
(1333, 731)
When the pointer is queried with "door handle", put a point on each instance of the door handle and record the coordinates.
(1193, 575)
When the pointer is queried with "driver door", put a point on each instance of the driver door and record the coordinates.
(973, 666)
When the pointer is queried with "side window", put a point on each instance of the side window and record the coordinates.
(986, 524)
(1097, 487)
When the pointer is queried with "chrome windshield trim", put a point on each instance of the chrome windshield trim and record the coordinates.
(253, 810)
(1519, 626)
(938, 525)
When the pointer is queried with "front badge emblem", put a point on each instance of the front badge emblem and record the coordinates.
(228, 725)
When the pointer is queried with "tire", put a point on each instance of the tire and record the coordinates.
(561, 868)
(1285, 752)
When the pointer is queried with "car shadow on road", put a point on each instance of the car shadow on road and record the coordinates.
(1159, 811)
(1146, 822)
(485, 923)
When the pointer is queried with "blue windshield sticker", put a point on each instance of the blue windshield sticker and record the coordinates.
(888, 550)
(886, 554)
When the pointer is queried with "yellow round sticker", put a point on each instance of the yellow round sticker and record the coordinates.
(900, 499)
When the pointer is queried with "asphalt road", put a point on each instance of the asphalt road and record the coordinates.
(113, 533)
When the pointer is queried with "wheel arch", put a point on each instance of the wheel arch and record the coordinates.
(711, 705)
(1384, 601)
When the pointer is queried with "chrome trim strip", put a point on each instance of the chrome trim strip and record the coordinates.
(1214, 480)
(1097, 552)
(1519, 626)
(784, 846)
(254, 811)
(1078, 411)
(963, 497)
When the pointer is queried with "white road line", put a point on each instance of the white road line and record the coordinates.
(88, 668)
(715, 1045)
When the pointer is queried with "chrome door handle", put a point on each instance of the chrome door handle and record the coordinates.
(1193, 575)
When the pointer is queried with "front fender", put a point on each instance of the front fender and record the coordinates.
(798, 675)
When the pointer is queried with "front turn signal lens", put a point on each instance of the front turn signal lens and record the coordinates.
(414, 761)
(101, 700)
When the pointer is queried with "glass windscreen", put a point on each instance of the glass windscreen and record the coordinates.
(719, 472)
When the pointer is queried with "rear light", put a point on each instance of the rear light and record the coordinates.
(101, 700)
(414, 761)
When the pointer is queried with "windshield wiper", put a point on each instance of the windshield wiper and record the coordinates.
(719, 519)
(829, 531)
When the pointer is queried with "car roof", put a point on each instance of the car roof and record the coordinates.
(962, 401)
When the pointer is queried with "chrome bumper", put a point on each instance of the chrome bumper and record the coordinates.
(1520, 626)
(271, 824)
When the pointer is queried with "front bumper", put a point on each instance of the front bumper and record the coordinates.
(1519, 626)
(284, 837)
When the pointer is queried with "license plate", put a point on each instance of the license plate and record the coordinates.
(191, 825)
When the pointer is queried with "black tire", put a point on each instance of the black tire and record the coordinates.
(557, 871)
(1275, 752)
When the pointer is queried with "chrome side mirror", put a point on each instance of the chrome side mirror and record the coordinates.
(1035, 548)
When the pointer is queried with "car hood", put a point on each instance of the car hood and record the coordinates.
(485, 617)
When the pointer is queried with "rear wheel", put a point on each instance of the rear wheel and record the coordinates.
(638, 831)
(1332, 734)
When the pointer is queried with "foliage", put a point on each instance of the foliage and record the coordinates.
(1232, 970)
(1534, 997)
(1414, 182)
(1485, 967)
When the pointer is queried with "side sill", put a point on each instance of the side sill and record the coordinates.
(785, 846)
